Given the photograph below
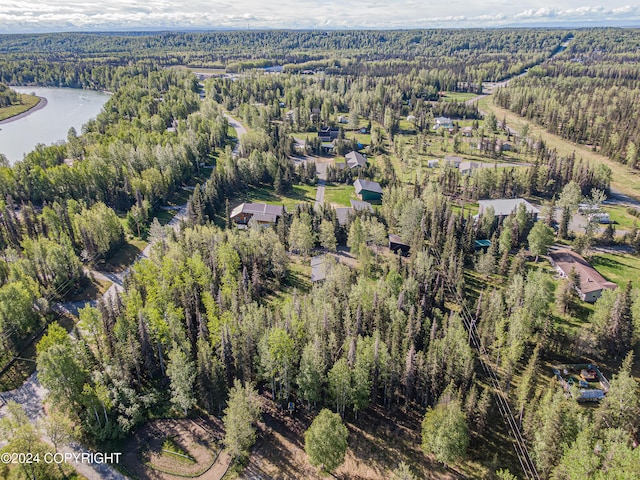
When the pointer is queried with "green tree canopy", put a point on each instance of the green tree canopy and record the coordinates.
(445, 433)
(242, 412)
(325, 442)
(540, 239)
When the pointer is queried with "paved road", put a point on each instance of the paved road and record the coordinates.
(321, 169)
(31, 396)
(240, 131)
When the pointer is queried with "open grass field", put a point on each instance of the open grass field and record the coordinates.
(298, 194)
(621, 218)
(623, 179)
(339, 195)
(28, 102)
(458, 96)
(617, 268)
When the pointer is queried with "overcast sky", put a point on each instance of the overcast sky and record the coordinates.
(69, 15)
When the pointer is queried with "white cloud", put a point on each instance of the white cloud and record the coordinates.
(55, 15)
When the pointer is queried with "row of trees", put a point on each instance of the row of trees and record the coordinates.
(8, 96)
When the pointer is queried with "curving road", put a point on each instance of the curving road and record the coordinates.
(31, 395)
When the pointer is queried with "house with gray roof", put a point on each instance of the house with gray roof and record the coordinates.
(506, 206)
(355, 159)
(358, 205)
(261, 213)
(368, 190)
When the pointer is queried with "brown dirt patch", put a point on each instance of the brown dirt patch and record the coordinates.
(378, 442)
(201, 439)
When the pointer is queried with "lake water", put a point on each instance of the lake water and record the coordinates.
(66, 108)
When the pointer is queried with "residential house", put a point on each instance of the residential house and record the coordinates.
(467, 131)
(355, 159)
(358, 206)
(368, 190)
(506, 206)
(433, 163)
(261, 213)
(328, 134)
(397, 245)
(453, 160)
(467, 167)
(442, 122)
(591, 282)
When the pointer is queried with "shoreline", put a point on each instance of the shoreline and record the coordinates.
(38, 106)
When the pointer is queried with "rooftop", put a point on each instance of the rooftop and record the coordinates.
(397, 239)
(355, 159)
(358, 205)
(453, 159)
(367, 185)
(590, 280)
(263, 210)
(318, 268)
(343, 214)
(506, 206)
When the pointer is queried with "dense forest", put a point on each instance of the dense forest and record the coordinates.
(587, 94)
(217, 321)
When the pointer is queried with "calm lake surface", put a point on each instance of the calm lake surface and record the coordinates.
(66, 108)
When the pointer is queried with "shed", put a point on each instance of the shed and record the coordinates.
(397, 245)
(482, 245)
(368, 190)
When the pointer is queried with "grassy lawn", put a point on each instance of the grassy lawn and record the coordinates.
(266, 194)
(28, 102)
(623, 178)
(620, 217)
(340, 195)
(458, 96)
(124, 257)
(617, 268)
(468, 208)
(231, 133)
(90, 288)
